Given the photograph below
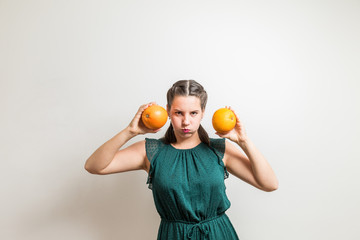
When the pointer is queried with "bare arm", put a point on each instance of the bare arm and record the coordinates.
(252, 168)
(109, 159)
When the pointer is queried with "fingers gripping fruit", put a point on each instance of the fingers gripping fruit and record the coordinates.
(223, 120)
(154, 117)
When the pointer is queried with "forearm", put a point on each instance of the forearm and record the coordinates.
(102, 157)
(262, 170)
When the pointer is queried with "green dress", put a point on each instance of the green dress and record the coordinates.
(189, 190)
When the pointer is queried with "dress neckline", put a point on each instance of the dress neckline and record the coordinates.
(185, 149)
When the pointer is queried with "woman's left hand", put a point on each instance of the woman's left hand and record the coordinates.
(237, 134)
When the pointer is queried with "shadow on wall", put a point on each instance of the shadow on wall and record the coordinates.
(117, 206)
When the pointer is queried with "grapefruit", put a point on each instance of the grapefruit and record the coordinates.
(154, 117)
(223, 120)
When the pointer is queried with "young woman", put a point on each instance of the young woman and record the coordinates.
(186, 169)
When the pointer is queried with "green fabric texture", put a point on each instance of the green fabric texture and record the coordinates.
(189, 190)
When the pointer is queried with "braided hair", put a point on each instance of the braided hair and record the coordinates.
(186, 88)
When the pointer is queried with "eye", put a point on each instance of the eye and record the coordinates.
(194, 113)
(178, 113)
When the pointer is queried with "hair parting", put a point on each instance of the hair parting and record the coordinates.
(186, 88)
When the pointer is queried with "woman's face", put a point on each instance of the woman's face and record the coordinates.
(185, 115)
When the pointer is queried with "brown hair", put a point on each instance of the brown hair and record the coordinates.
(186, 88)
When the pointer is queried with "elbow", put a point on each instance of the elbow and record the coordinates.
(91, 170)
(271, 188)
(88, 169)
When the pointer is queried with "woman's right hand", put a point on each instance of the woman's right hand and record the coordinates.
(136, 126)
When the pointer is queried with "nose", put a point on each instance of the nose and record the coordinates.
(186, 120)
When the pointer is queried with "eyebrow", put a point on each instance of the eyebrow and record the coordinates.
(178, 110)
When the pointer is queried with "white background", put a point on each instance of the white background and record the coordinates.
(73, 74)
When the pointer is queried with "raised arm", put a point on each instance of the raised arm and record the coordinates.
(253, 168)
(108, 158)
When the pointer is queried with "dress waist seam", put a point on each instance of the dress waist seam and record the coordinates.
(188, 222)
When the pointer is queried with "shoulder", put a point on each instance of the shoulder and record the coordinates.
(153, 142)
(218, 144)
(214, 140)
(225, 149)
(152, 147)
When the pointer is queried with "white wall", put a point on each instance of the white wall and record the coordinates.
(73, 74)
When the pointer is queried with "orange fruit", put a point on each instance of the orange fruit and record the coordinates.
(223, 120)
(154, 117)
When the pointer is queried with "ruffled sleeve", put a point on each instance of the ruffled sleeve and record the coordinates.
(218, 146)
(152, 149)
